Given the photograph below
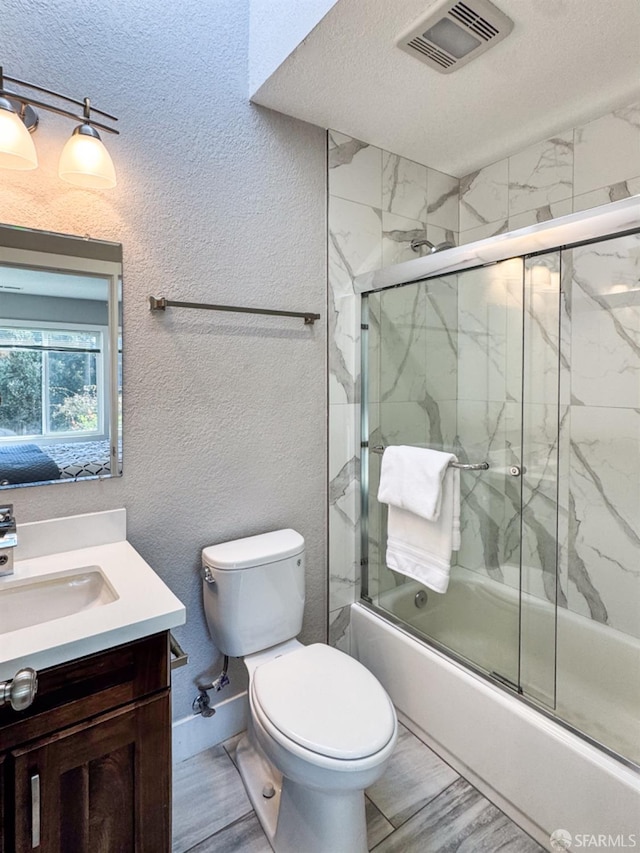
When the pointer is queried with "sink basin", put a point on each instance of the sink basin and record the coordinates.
(78, 588)
(34, 602)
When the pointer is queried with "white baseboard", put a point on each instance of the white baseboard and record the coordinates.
(195, 733)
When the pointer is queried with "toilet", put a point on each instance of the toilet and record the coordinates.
(321, 727)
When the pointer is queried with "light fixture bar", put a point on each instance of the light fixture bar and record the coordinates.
(14, 96)
(47, 92)
(29, 101)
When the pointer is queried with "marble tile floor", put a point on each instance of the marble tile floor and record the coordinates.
(420, 805)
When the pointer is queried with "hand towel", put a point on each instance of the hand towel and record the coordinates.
(421, 548)
(412, 478)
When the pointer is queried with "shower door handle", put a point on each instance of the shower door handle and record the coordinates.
(515, 470)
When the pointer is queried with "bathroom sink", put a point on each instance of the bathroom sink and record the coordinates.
(78, 588)
(41, 600)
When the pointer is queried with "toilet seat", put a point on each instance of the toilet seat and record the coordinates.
(319, 700)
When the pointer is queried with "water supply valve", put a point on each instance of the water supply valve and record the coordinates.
(202, 705)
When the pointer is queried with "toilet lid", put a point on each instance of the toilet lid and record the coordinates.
(325, 701)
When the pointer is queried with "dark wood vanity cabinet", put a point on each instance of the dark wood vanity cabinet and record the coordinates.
(87, 768)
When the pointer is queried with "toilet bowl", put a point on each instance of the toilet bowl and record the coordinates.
(321, 727)
(322, 730)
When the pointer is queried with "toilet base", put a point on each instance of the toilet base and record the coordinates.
(297, 818)
(256, 772)
(320, 821)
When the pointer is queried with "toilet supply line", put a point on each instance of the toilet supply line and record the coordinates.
(202, 703)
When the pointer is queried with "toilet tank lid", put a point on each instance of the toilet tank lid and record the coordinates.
(254, 550)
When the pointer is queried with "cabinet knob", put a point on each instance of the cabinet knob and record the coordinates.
(21, 690)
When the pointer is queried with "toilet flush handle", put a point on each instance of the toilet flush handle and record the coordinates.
(207, 576)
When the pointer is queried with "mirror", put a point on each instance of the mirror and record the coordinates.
(60, 358)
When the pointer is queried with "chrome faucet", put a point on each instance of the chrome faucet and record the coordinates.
(8, 539)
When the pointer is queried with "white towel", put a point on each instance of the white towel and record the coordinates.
(419, 548)
(412, 478)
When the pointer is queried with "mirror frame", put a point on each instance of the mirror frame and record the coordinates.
(74, 252)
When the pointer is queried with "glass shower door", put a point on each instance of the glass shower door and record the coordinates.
(445, 371)
(533, 366)
(545, 361)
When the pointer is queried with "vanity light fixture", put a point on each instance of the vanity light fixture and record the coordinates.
(85, 162)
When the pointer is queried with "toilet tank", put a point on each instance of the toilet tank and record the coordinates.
(253, 591)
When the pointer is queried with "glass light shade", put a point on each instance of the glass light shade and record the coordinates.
(17, 150)
(85, 161)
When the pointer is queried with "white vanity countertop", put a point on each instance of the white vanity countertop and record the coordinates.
(144, 604)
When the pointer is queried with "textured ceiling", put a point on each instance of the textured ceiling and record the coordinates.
(565, 62)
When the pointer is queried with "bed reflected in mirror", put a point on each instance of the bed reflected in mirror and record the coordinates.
(60, 358)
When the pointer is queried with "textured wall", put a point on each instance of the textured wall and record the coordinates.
(224, 415)
(277, 29)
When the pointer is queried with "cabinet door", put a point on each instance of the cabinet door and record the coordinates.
(2, 796)
(101, 787)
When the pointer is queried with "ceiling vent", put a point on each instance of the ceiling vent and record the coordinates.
(455, 33)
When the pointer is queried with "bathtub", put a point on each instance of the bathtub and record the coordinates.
(595, 684)
(541, 774)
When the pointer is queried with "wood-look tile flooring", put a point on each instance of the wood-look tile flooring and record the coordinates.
(420, 805)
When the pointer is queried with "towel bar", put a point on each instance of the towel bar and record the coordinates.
(178, 656)
(463, 466)
(160, 303)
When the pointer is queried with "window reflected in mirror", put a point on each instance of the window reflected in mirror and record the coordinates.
(60, 358)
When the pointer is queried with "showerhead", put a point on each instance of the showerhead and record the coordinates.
(417, 244)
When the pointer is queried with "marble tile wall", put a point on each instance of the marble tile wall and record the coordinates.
(378, 203)
(581, 432)
(581, 168)
(489, 392)
(573, 424)
(509, 419)
(599, 490)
